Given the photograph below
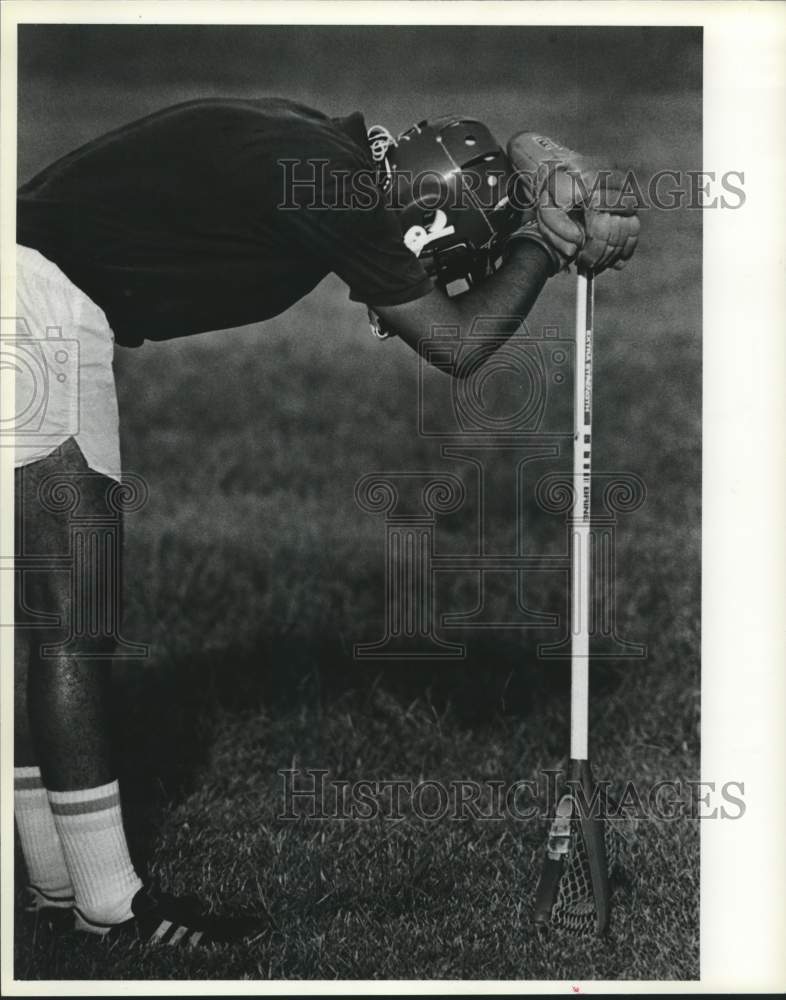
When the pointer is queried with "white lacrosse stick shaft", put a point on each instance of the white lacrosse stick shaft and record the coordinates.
(581, 588)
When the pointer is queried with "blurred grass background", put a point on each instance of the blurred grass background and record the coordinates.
(252, 572)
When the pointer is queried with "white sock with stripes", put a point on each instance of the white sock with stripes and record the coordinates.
(90, 825)
(41, 847)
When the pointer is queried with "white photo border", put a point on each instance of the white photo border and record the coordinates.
(743, 866)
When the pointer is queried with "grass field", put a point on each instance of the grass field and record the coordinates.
(252, 572)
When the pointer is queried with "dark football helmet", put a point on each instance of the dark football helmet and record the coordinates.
(449, 181)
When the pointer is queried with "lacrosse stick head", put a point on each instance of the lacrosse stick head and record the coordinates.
(583, 852)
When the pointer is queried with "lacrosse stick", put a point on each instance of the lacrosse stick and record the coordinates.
(573, 891)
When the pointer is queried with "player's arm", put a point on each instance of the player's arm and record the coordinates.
(511, 292)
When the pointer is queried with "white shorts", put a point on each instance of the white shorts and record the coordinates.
(62, 355)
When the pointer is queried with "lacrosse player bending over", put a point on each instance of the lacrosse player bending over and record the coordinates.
(205, 216)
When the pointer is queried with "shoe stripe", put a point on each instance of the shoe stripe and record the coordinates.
(195, 938)
(37, 906)
(161, 930)
(179, 933)
(37, 899)
(81, 923)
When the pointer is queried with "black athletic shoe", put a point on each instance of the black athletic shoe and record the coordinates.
(174, 920)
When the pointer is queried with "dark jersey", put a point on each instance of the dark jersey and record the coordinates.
(188, 220)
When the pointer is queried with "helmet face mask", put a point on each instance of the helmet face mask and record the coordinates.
(448, 179)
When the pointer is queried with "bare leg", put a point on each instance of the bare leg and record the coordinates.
(61, 702)
(67, 689)
(24, 753)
